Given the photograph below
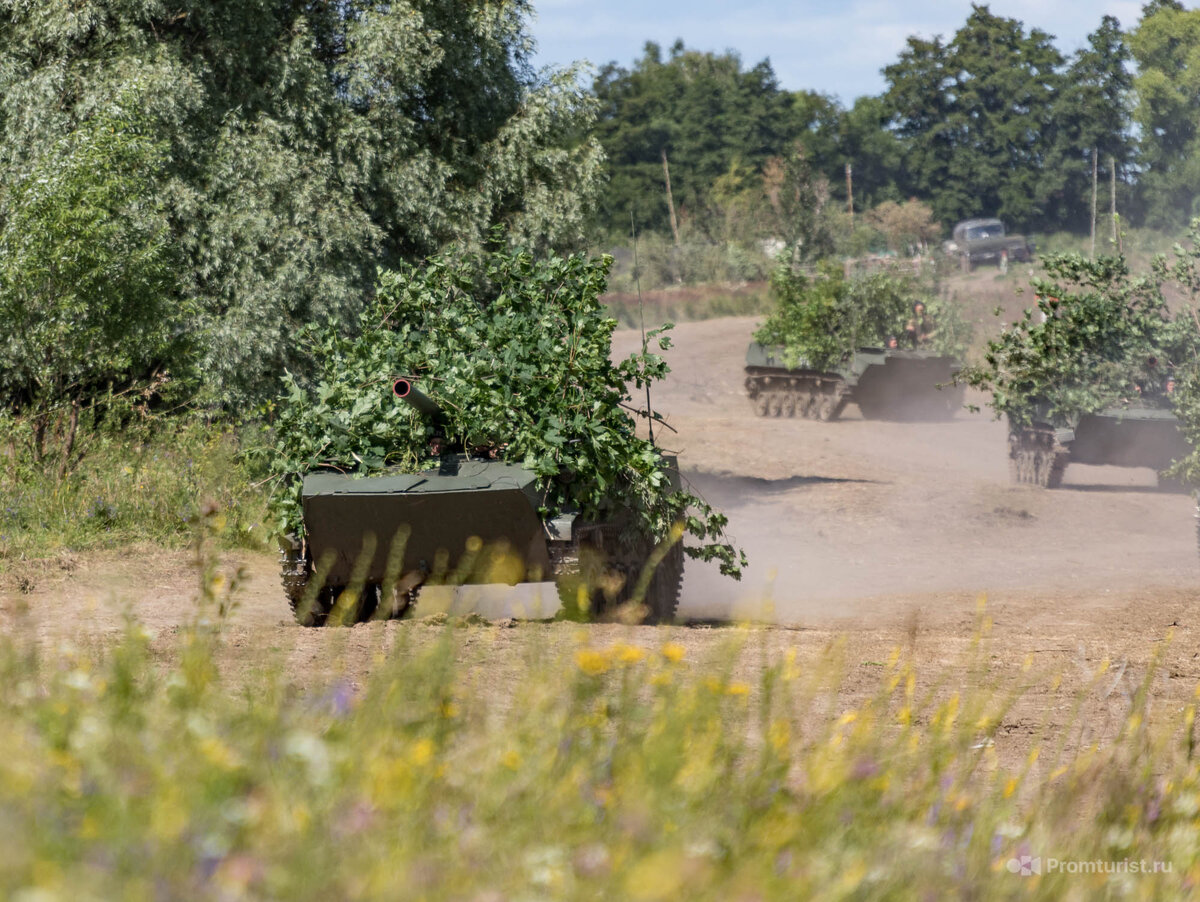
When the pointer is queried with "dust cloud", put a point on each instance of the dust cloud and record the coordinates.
(857, 519)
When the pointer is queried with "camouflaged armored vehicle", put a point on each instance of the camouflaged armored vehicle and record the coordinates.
(464, 535)
(885, 383)
(1136, 435)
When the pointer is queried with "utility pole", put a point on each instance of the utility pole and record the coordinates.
(1095, 157)
(850, 194)
(1112, 166)
(670, 201)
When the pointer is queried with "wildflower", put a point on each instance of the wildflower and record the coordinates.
(422, 752)
(511, 759)
(738, 689)
(780, 734)
(790, 670)
(591, 662)
(864, 768)
(629, 654)
(673, 652)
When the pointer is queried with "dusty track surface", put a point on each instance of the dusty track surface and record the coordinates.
(863, 521)
(886, 533)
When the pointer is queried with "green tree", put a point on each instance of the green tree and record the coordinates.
(977, 118)
(873, 150)
(87, 276)
(706, 114)
(1165, 46)
(307, 144)
(1092, 114)
(799, 201)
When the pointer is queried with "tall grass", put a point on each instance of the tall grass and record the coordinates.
(137, 482)
(689, 303)
(628, 770)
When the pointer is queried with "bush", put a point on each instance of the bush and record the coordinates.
(822, 315)
(1097, 336)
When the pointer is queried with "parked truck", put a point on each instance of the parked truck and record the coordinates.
(977, 241)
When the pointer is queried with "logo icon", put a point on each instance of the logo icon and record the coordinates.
(1025, 865)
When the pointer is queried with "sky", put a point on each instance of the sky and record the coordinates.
(835, 47)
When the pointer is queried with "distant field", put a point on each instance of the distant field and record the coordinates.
(688, 303)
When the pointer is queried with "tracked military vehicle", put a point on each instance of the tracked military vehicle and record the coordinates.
(1137, 435)
(885, 383)
(465, 534)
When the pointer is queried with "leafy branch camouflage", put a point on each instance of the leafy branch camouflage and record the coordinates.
(1097, 336)
(516, 350)
(822, 316)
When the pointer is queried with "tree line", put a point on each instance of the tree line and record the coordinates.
(993, 120)
(186, 186)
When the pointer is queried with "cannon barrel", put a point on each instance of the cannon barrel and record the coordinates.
(410, 395)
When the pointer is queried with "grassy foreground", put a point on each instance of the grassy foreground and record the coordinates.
(627, 771)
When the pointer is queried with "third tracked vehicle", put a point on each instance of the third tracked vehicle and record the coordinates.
(1128, 436)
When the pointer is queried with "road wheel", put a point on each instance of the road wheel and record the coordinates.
(662, 595)
(826, 407)
(608, 573)
(314, 611)
(761, 403)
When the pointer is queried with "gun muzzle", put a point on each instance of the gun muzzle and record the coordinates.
(408, 393)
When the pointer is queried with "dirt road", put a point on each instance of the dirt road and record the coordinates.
(860, 521)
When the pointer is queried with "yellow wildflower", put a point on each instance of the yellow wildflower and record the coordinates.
(592, 662)
(673, 652)
(790, 670)
(629, 654)
(780, 734)
(422, 752)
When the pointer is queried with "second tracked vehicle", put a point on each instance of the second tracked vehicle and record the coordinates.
(885, 383)
(465, 534)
